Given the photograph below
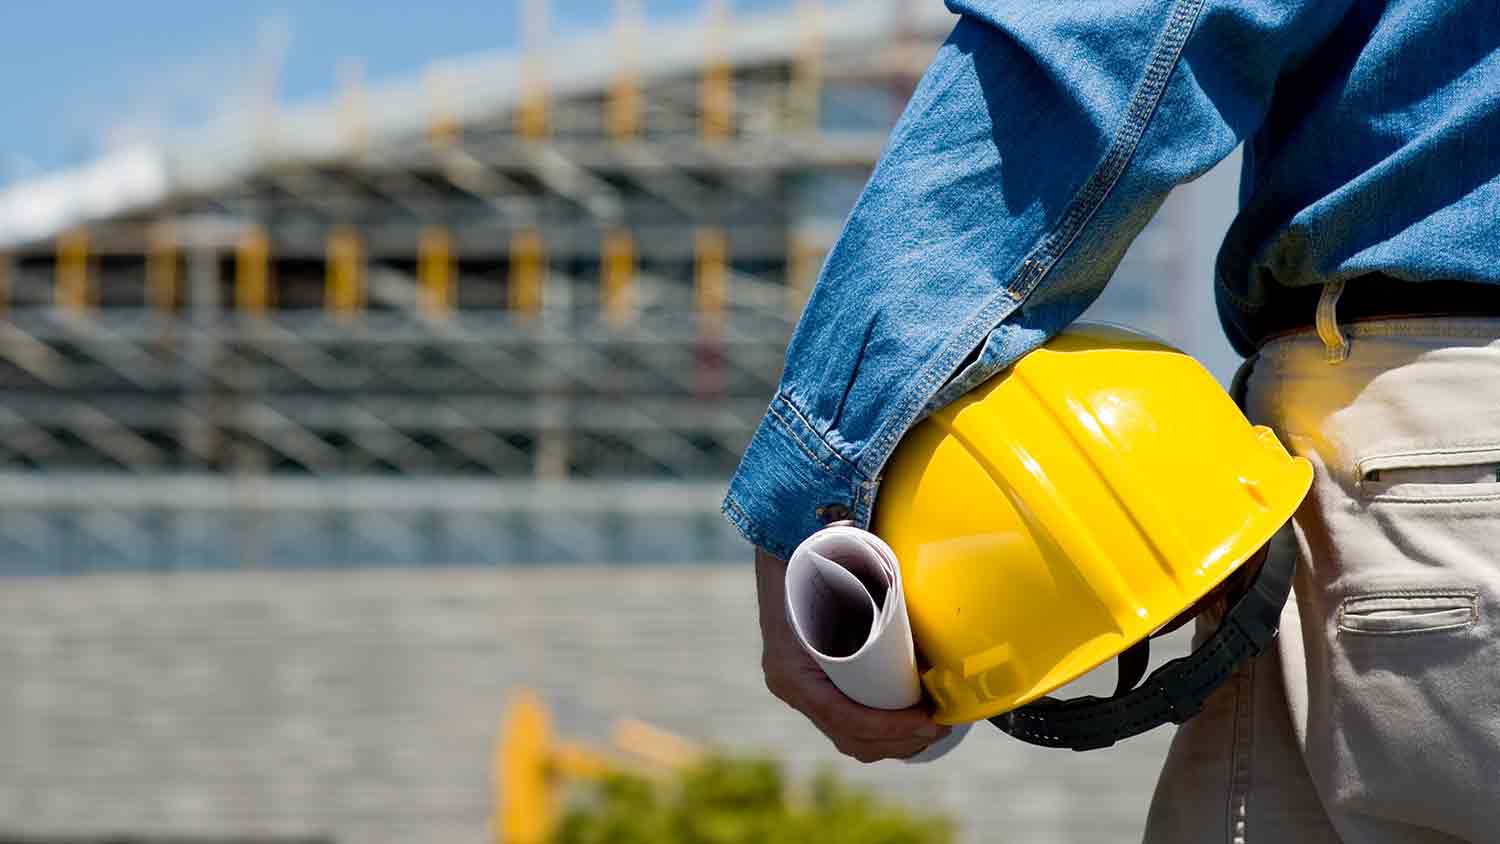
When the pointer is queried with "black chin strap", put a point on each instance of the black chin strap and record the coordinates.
(1174, 692)
(1132, 665)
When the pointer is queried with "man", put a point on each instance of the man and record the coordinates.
(1361, 275)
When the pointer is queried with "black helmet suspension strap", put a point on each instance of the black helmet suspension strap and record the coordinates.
(1174, 692)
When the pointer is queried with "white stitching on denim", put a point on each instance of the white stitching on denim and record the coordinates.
(913, 403)
(747, 528)
(791, 432)
(1163, 62)
(1101, 182)
(795, 430)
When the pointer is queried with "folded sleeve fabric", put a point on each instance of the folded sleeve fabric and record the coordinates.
(1036, 147)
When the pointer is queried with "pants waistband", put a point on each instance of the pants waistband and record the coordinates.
(1377, 338)
(1408, 387)
(1378, 297)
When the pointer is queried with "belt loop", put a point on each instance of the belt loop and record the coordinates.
(1332, 336)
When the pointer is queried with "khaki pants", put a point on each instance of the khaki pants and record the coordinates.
(1376, 718)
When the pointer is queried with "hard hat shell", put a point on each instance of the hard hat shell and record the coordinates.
(1066, 509)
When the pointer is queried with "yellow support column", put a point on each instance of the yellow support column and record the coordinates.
(533, 117)
(528, 272)
(435, 271)
(345, 290)
(252, 272)
(711, 279)
(523, 783)
(711, 284)
(717, 87)
(807, 73)
(623, 117)
(804, 259)
(75, 285)
(162, 276)
(618, 286)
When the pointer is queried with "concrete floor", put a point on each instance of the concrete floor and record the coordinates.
(363, 704)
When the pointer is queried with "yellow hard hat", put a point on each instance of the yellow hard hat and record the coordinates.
(1064, 511)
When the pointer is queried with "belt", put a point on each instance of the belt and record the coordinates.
(1377, 296)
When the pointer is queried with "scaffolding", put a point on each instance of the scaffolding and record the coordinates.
(569, 294)
(580, 275)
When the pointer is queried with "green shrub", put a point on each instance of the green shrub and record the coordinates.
(739, 801)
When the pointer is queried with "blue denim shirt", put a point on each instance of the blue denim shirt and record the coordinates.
(1041, 141)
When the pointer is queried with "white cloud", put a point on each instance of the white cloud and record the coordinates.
(206, 85)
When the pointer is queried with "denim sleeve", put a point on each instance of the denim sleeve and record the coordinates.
(1036, 147)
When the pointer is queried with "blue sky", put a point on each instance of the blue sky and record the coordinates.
(78, 77)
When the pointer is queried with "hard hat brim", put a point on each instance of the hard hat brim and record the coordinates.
(1097, 652)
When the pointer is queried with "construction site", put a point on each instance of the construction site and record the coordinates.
(444, 321)
(478, 302)
(523, 308)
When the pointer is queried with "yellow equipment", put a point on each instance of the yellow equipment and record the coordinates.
(1062, 512)
(531, 764)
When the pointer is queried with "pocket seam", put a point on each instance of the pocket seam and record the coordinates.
(1462, 449)
(1469, 596)
(1427, 492)
(1433, 493)
(1393, 494)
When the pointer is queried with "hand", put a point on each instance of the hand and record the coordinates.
(866, 734)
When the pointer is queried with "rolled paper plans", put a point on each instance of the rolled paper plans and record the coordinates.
(846, 605)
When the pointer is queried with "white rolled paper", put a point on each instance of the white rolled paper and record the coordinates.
(846, 605)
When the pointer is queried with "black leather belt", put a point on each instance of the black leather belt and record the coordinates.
(1377, 296)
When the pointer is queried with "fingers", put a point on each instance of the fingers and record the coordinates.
(867, 749)
(860, 732)
(868, 752)
(830, 709)
(866, 734)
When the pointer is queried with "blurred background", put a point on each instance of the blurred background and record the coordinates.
(363, 363)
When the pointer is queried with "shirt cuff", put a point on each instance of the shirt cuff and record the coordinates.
(791, 483)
